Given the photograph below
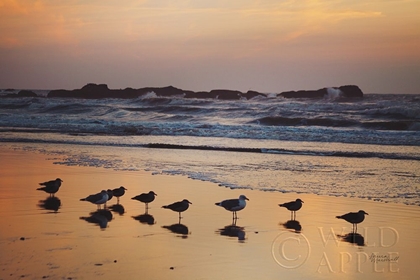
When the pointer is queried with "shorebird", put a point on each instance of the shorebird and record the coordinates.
(110, 195)
(354, 218)
(146, 198)
(118, 192)
(51, 187)
(98, 199)
(293, 206)
(179, 206)
(234, 205)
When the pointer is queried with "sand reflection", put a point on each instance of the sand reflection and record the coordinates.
(233, 230)
(293, 225)
(51, 203)
(178, 229)
(100, 217)
(145, 218)
(117, 208)
(353, 238)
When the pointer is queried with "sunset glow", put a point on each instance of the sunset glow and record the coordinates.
(269, 46)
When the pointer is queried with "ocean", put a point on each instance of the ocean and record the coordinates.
(365, 148)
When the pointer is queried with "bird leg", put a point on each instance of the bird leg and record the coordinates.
(354, 228)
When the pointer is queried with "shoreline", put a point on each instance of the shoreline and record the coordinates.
(376, 179)
(62, 245)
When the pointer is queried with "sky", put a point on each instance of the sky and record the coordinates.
(269, 46)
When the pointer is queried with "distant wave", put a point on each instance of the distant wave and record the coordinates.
(283, 121)
(15, 106)
(375, 119)
(73, 108)
(347, 154)
(377, 125)
(334, 93)
(283, 151)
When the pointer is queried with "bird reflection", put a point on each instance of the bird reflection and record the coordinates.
(145, 218)
(293, 225)
(100, 217)
(50, 203)
(178, 229)
(117, 208)
(233, 231)
(354, 238)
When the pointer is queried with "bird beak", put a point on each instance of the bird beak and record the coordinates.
(366, 213)
(246, 198)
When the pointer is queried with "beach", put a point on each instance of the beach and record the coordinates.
(270, 140)
(37, 243)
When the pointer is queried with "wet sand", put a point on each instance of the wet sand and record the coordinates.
(39, 243)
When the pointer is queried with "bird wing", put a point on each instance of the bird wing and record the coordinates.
(94, 197)
(348, 217)
(175, 205)
(47, 183)
(229, 203)
(287, 204)
(143, 196)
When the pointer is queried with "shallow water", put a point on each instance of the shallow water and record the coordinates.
(378, 179)
(62, 244)
(364, 148)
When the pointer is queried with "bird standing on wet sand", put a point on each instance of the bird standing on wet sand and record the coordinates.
(234, 205)
(98, 199)
(118, 192)
(179, 206)
(354, 218)
(146, 198)
(293, 206)
(110, 195)
(51, 187)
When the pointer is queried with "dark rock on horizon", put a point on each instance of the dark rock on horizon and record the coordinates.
(223, 94)
(251, 94)
(27, 93)
(348, 91)
(216, 94)
(22, 93)
(165, 91)
(226, 94)
(351, 91)
(97, 91)
(305, 93)
(94, 91)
